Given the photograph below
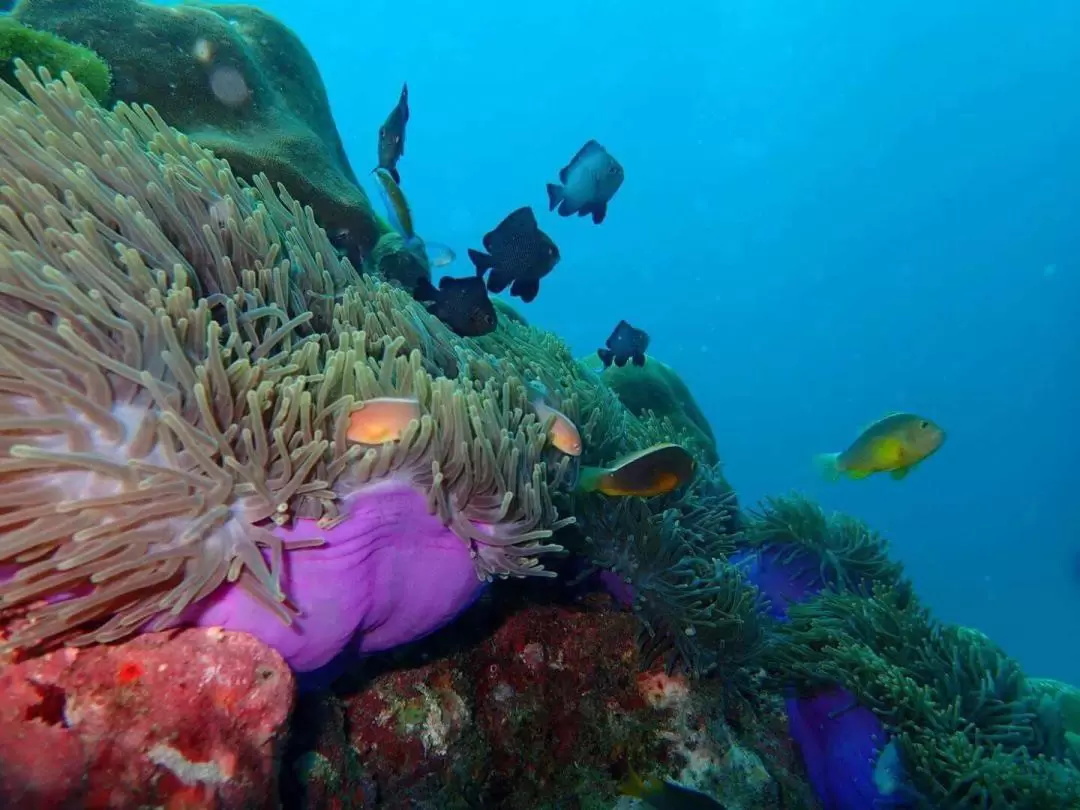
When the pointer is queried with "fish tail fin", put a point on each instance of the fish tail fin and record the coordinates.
(590, 479)
(633, 785)
(425, 290)
(605, 356)
(482, 261)
(555, 195)
(828, 465)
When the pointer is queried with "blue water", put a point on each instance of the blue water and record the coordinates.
(832, 210)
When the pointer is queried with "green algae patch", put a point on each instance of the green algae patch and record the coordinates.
(42, 49)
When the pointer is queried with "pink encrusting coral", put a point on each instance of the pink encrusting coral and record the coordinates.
(179, 360)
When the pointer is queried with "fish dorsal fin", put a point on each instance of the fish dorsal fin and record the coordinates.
(521, 218)
(630, 458)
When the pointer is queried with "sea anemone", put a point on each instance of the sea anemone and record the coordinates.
(793, 550)
(179, 359)
(969, 729)
(697, 610)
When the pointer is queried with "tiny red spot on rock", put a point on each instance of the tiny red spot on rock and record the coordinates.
(128, 673)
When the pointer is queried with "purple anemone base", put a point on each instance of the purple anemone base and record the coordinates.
(840, 743)
(388, 574)
(781, 582)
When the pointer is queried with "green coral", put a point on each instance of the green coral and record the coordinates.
(849, 555)
(42, 49)
(972, 731)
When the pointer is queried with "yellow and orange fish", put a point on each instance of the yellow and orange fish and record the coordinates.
(656, 470)
(893, 444)
(382, 419)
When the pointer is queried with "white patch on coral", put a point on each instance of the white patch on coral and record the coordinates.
(446, 712)
(185, 770)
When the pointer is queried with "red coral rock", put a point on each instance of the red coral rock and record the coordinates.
(512, 722)
(184, 720)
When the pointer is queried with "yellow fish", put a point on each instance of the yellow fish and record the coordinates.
(382, 419)
(655, 470)
(893, 444)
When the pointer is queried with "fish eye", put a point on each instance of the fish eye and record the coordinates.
(924, 424)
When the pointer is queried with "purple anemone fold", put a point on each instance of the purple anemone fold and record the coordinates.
(388, 574)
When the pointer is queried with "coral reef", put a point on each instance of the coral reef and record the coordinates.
(181, 353)
(198, 719)
(54, 54)
(235, 80)
(970, 730)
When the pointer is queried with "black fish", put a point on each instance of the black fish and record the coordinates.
(625, 343)
(461, 303)
(520, 254)
(392, 135)
(589, 181)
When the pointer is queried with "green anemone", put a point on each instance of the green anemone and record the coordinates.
(852, 556)
(697, 611)
(971, 729)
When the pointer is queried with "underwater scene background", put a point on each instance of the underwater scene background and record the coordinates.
(832, 211)
(343, 466)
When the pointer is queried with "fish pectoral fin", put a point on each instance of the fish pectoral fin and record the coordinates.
(555, 195)
(498, 280)
(599, 211)
(900, 472)
(525, 289)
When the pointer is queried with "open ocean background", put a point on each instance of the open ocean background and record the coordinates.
(832, 210)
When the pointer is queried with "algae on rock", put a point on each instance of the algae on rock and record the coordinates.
(55, 54)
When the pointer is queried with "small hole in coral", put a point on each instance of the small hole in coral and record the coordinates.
(50, 708)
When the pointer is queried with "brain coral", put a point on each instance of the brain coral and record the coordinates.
(179, 357)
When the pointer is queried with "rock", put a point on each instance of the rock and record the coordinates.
(192, 719)
(236, 80)
(657, 387)
(545, 711)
